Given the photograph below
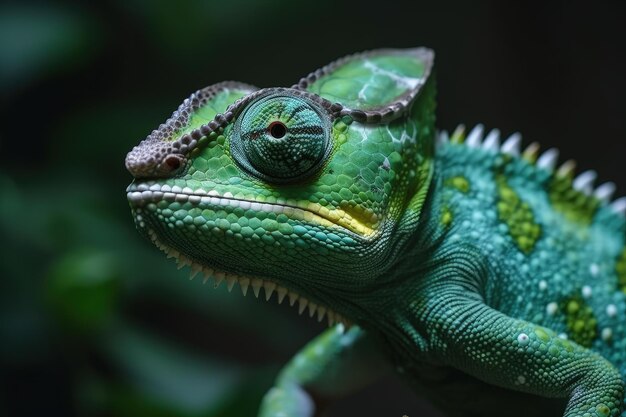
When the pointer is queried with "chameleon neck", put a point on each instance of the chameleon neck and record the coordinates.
(411, 248)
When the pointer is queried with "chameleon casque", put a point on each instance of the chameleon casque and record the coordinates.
(492, 280)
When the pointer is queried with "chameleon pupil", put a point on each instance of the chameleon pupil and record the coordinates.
(277, 130)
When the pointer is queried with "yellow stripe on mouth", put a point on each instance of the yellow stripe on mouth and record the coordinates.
(363, 226)
(353, 219)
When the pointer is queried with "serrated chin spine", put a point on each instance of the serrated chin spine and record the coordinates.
(245, 283)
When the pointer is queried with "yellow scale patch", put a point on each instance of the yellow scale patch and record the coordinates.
(446, 217)
(460, 183)
(581, 321)
(573, 204)
(518, 217)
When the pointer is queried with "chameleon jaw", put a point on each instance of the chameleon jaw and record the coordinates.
(246, 282)
(145, 193)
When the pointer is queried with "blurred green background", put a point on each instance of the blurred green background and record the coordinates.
(93, 319)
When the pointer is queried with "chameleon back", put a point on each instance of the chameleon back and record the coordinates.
(556, 247)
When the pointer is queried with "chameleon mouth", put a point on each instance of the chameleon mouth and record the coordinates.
(358, 224)
(245, 282)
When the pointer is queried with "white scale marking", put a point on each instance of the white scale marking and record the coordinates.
(401, 81)
(523, 339)
(611, 310)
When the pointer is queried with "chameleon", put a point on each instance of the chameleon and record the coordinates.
(488, 275)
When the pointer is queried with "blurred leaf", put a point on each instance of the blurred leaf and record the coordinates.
(163, 376)
(82, 288)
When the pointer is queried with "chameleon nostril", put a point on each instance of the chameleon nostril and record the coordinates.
(172, 162)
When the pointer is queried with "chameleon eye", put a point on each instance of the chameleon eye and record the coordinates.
(281, 138)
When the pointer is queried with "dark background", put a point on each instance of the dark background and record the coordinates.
(93, 320)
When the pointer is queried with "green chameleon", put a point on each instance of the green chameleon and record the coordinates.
(492, 280)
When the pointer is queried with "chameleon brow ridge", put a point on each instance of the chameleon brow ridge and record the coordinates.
(146, 160)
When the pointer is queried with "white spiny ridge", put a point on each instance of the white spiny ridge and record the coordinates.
(605, 192)
(443, 137)
(475, 136)
(458, 134)
(584, 182)
(619, 206)
(531, 151)
(566, 169)
(492, 141)
(548, 159)
(244, 282)
(512, 144)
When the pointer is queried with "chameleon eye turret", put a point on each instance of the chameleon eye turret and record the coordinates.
(281, 138)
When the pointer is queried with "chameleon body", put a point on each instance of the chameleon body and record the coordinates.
(481, 273)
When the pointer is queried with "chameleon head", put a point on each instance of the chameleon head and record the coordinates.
(307, 188)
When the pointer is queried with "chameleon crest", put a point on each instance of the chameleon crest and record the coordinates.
(478, 270)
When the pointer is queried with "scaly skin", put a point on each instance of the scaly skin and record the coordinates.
(459, 261)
